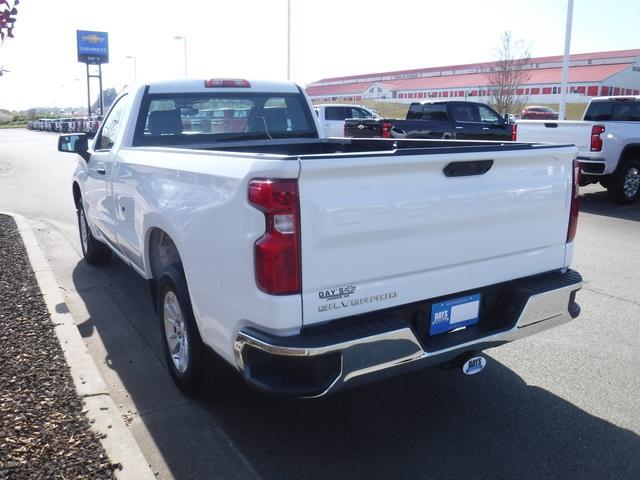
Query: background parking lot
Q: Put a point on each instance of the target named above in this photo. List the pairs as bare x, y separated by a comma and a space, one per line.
563, 404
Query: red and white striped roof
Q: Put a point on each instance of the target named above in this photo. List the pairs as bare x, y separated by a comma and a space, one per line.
576, 57
591, 73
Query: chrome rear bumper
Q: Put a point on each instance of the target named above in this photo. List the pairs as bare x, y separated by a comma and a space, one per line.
331, 360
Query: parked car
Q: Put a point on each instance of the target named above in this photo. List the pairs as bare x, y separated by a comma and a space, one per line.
538, 113
608, 141
332, 117
445, 120
310, 264
92, 124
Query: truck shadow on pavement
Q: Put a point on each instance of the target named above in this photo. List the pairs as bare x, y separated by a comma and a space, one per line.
429, 424
599, 203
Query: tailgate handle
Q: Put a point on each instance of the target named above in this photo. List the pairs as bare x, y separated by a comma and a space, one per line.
466, 169
551, 125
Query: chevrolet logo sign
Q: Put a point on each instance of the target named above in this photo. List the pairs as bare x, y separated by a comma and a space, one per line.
93, 38
361, 127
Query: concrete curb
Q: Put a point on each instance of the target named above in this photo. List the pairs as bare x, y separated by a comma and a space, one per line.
116, 438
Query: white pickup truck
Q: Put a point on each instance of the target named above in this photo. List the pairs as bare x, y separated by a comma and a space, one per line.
310, 264
333, 115
608, 141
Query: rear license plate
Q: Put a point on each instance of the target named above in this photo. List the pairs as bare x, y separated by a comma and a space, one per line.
456, 313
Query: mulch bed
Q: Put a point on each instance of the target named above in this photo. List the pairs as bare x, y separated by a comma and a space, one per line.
44, 433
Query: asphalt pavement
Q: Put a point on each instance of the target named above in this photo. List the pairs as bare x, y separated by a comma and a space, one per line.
563, 404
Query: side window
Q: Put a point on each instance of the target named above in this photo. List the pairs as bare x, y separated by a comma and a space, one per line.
111, 125
435, 112
464, 113
335, 113
488, 116
358, 113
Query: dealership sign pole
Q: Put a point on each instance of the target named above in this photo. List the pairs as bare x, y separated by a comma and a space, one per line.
565, 61
288, 39
93, 49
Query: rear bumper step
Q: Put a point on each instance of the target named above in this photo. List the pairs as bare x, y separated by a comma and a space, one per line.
592, 166
324, 360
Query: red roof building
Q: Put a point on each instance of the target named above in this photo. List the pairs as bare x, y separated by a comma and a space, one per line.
590, 74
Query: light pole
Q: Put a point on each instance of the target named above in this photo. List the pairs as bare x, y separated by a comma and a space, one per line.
182, 37
135, 67
565, 61
288, 39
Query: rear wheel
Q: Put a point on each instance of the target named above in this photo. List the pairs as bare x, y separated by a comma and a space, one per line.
94, 251
193, 367
625, 186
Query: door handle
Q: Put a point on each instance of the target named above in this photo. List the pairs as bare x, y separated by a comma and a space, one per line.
485, 128
101, 171
459, 128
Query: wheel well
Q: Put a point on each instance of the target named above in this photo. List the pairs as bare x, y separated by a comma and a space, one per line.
77, 196
162, 252
630, 151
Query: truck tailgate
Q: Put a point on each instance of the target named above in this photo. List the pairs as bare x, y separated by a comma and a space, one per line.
554, 131
380, 230
362, 127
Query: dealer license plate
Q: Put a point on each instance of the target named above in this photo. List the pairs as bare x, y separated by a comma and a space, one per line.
453, 314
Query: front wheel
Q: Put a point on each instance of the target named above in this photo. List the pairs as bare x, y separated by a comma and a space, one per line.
625, 186
193, 367
94, 251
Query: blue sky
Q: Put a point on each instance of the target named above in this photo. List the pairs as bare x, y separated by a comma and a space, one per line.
247, 38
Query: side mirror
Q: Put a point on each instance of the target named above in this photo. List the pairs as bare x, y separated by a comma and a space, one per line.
77, 143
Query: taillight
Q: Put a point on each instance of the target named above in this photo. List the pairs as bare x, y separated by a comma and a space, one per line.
277, 252
575, 204
386, 129
514, 132
596, 141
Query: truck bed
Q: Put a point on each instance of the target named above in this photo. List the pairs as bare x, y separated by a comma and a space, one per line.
295, 148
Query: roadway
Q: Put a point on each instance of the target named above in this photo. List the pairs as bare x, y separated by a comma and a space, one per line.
563, 404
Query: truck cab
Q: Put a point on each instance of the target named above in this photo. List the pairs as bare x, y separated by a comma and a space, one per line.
332, 117
457, 120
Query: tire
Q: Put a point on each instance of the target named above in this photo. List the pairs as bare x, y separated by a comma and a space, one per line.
195, 369
94, 251
625, 186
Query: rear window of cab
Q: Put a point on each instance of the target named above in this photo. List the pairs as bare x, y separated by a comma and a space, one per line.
184, 119
615, 111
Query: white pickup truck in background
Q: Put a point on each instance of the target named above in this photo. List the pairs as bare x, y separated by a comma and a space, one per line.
608, 141
332, 117
310, 264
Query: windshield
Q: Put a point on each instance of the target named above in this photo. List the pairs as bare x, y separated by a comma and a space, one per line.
190, 119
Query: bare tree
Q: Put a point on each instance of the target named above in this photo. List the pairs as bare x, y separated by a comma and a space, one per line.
509, 71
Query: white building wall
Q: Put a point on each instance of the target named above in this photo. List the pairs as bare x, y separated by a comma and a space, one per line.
628, 78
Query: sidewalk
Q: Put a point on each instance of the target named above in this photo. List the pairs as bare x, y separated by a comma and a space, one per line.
56, 419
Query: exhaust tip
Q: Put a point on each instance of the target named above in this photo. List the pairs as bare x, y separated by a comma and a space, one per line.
474, 365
